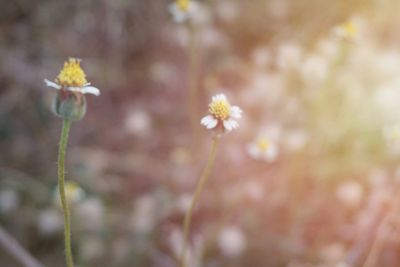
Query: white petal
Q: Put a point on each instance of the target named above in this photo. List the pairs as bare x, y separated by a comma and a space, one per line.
178, 15
91, 90
228, 125
205, 120
236, 112
52, 84
212, 124
233, 123
209, 121
74, 89
220, 97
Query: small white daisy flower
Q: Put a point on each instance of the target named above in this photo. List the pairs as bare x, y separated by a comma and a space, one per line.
72, 78
263, 149
347, 31
223, 115
182, 10
73, 193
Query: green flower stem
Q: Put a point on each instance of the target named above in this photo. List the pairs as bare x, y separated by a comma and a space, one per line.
61, 174
197, 193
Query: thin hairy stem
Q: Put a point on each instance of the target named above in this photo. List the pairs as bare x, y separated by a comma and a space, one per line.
199, 188
61, 174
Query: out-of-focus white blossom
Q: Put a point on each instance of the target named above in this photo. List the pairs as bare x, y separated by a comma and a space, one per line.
232, 241
183, 10
194, 251
314, 70
289, 56
9, 200
263, 148
183, 202
144, 215
347, 31
73, 193
350, 193
332, 253
138, 122
50, 222
90, 214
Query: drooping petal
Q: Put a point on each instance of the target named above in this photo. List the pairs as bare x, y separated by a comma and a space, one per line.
52, 84
236, 112
91, 90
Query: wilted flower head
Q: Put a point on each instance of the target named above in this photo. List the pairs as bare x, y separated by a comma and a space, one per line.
223, 115
71, 82
263, 148
181, 10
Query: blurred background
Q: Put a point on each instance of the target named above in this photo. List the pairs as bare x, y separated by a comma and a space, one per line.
308, 179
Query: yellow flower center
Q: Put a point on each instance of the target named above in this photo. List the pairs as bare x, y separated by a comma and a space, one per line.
220, 109
263, 144
183, 4
72, 74
349, 29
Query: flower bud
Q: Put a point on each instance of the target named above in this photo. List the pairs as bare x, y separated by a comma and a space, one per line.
69, 105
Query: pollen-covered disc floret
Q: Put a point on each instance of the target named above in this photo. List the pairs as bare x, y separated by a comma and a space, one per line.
263, 148
72, 78
222, 114
182, 10
72, 75
220, 109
